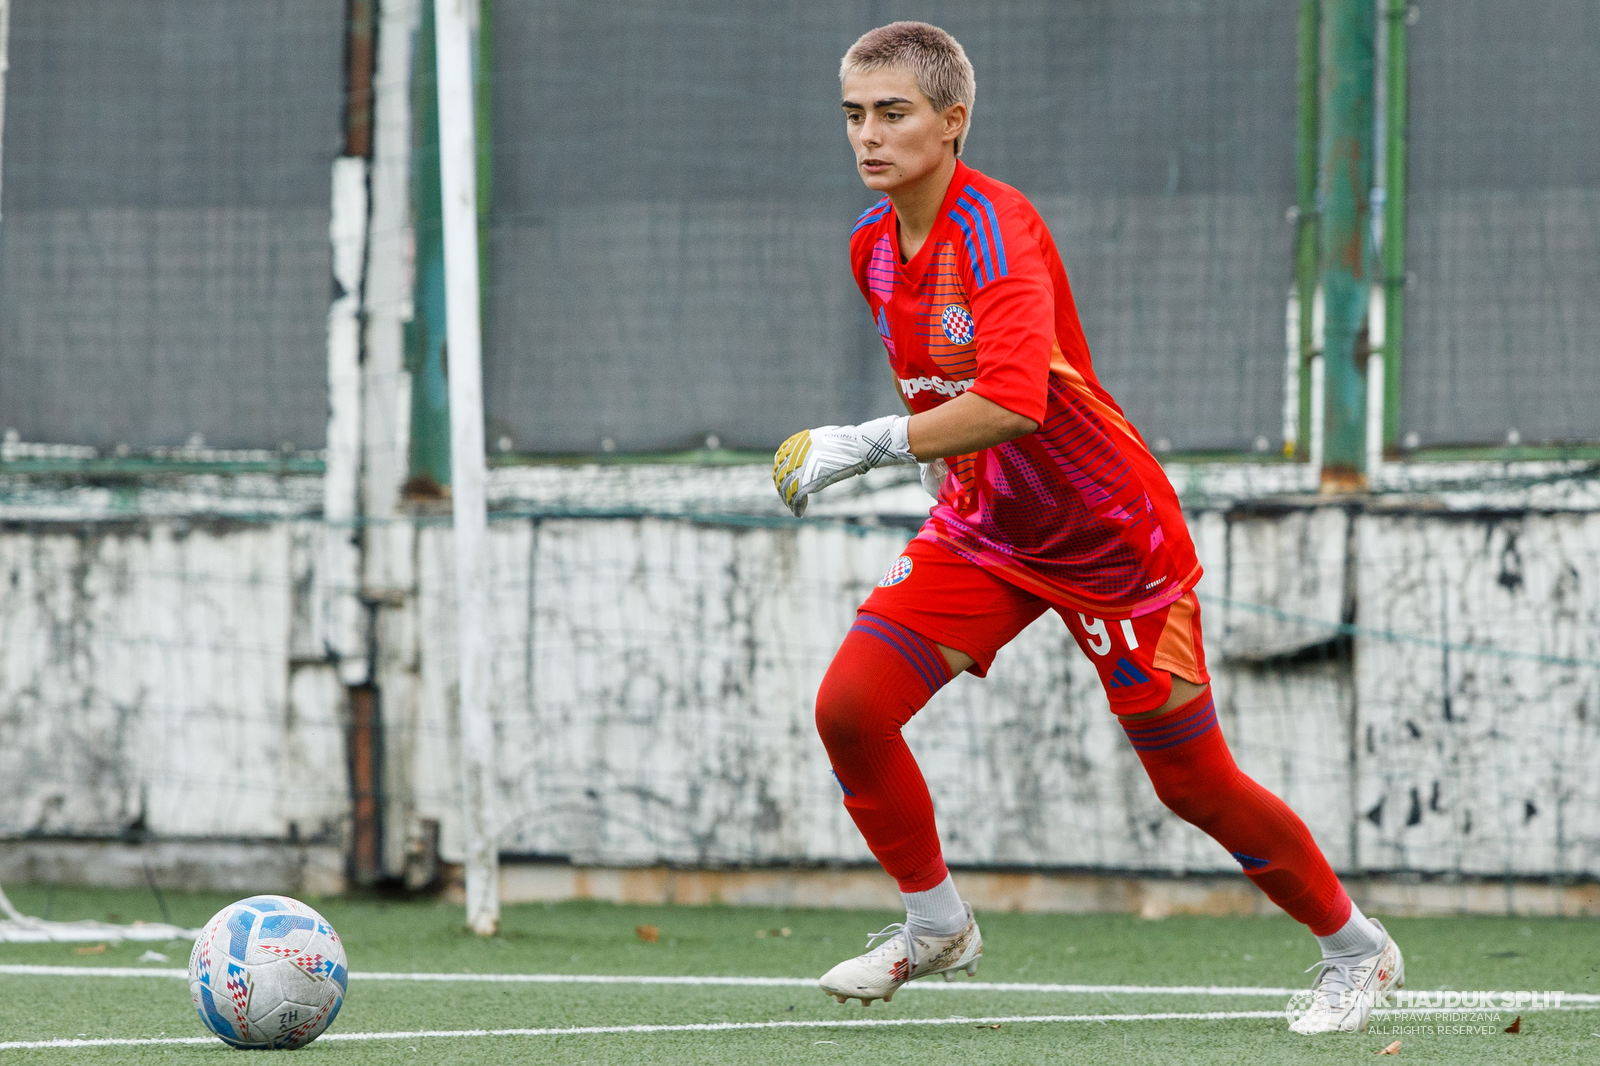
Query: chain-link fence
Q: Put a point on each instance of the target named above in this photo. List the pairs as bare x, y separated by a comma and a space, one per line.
1502, 338
164, 257
673, 194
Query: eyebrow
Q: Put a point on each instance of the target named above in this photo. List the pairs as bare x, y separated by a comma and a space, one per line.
880, 103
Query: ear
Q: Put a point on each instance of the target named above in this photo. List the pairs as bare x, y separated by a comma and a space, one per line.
955, 120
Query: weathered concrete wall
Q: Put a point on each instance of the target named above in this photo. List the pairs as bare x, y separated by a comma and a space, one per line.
167, 671
160, 676
1468, 761
654, 680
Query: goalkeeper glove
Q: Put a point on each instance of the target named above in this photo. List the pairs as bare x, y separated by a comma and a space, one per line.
813, 459
933, 475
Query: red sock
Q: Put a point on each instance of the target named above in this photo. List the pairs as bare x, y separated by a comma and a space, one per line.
882, 674
1194, 774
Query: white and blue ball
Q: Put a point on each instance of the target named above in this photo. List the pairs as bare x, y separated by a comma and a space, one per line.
267, 972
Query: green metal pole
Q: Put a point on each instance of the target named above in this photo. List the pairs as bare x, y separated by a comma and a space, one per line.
1306, 215
1394, 220
1345, 165
425, 333
426, 354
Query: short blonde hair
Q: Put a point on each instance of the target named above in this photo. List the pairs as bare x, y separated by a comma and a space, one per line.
936, 59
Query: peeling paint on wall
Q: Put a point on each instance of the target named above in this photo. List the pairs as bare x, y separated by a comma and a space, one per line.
169, 674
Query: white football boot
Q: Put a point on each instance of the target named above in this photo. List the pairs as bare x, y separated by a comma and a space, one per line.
903, 957
1345, 993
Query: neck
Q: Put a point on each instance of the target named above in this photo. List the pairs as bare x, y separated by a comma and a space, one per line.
916, 205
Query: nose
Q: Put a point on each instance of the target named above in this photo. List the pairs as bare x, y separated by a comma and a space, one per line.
868, 132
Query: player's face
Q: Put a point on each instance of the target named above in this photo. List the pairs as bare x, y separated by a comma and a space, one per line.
897, 135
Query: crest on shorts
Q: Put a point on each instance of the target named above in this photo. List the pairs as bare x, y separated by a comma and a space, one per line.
897, 573
957, 323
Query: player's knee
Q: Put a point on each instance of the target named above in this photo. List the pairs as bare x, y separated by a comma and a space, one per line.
1198, 799
844, 719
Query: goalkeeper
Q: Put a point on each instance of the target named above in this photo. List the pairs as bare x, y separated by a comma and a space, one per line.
1047, 499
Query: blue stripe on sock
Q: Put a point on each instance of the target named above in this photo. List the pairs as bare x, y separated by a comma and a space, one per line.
911, 647
1148, 730
921, 646
875, 635
1198, 731
1187, 727
1165, 735
908, 643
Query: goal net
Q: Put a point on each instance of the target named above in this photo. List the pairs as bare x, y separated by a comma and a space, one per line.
18, 928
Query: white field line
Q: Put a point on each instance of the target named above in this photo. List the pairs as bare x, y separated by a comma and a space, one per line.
739, 982
697, 1027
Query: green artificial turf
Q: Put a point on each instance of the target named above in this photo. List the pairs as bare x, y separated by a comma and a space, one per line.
592, 938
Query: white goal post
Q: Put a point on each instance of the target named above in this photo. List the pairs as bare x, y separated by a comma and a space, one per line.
463, 335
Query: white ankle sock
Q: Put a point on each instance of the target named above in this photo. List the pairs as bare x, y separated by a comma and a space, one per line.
936, 912
1356, 939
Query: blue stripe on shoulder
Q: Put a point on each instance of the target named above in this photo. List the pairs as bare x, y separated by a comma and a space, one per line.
972, 248
872, 214
994, 228
975, 214
976, 245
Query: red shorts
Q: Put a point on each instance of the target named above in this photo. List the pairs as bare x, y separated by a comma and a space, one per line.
959, 604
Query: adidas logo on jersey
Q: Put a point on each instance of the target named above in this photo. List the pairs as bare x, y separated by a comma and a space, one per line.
935, 384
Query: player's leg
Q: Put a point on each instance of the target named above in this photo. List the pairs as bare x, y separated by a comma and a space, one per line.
931, 617
1154, 671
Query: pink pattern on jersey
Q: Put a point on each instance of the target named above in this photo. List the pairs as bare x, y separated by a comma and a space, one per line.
881, 270
1075, 510
1093, 495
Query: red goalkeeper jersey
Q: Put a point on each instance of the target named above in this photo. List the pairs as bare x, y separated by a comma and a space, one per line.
1079, 511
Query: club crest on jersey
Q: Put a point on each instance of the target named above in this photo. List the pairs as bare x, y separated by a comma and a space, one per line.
957, 322
897, 573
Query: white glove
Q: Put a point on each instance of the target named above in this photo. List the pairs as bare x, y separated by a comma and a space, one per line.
933, 475
813, 459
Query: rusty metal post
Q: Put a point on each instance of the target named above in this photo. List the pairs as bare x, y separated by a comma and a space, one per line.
1345, 175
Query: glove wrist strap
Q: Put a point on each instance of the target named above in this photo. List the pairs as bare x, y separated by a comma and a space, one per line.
886, 441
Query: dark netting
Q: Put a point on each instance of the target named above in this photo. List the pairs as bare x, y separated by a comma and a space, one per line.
673, 193
1502, 329
164, 257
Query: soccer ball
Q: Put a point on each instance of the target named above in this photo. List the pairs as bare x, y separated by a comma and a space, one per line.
267, 972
